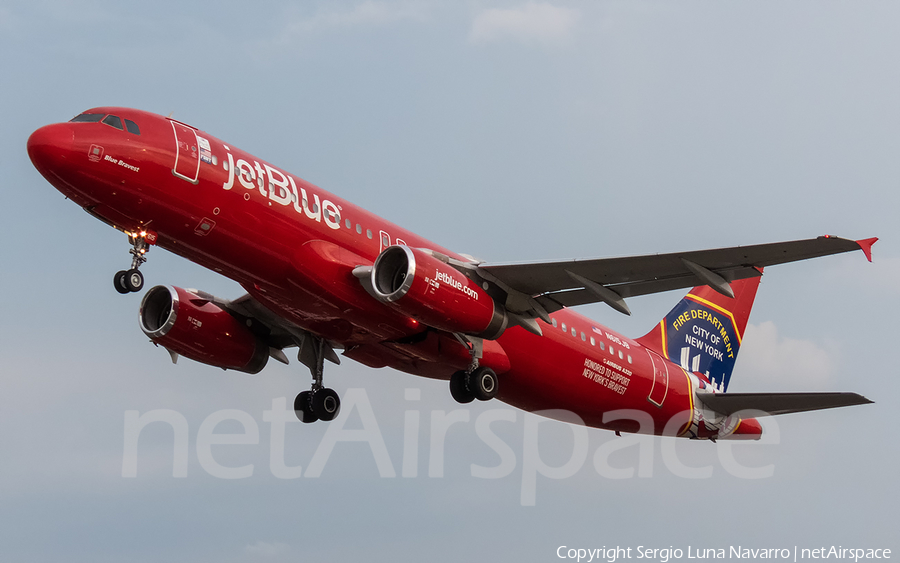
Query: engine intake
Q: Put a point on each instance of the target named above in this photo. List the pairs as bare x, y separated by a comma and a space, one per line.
185, 323
431, 291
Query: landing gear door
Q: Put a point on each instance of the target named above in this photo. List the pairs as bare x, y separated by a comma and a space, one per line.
660, 387
187, 157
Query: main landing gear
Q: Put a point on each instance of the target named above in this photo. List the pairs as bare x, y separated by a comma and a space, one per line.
476, 382
319, 403
481, 384
132, 280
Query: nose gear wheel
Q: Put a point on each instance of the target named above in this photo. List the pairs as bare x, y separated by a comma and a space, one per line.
132, 280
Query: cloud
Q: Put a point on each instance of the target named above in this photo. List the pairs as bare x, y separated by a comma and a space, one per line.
267, 549
543, 23
769, 362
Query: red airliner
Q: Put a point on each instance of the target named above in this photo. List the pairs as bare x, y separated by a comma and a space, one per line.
322, 274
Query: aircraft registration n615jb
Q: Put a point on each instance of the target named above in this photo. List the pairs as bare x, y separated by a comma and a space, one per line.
322, 274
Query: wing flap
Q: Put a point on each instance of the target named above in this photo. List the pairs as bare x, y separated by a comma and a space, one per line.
570, 298
778, 403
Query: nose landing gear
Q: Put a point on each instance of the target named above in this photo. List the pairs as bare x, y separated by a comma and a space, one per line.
132, 280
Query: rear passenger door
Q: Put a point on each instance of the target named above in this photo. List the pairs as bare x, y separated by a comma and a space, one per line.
660, 387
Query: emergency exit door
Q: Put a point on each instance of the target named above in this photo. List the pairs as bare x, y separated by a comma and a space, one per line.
187, 157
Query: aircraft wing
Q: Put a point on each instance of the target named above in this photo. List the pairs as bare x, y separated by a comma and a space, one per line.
778, 403
555, 285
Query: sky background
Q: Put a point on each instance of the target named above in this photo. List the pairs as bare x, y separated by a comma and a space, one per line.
510, 131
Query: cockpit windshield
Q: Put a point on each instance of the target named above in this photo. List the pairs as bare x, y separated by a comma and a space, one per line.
108, 119
87, 118
132, 127
113, 121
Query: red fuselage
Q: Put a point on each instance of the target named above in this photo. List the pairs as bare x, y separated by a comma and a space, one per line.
293, 247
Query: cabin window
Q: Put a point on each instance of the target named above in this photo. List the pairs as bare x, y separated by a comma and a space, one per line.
564, 327
593, 342
347, 223
574, 332
385, 240
113, 121
553, 322
369, 233
87, 118
621, 355
133, 128
629, 359
358, 229
611, 351
602, 345
583, 337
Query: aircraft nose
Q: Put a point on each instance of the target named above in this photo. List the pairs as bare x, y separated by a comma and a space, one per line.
51, 146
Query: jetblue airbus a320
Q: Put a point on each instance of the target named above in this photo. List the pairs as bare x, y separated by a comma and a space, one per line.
323, 275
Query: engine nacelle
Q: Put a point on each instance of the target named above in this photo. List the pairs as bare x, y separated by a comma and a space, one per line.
200, 330
436, 294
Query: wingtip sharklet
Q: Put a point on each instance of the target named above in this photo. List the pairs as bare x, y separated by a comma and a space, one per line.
866, 246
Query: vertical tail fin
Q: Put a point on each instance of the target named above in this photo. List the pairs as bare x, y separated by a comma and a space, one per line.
703, 332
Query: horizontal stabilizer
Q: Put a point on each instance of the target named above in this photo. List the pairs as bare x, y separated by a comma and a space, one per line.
778, 403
